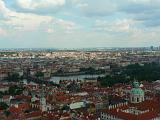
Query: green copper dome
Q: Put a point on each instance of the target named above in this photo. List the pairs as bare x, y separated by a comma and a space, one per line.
136, 91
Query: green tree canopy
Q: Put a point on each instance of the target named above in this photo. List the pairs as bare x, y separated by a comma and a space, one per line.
3, 105
39, 74
13, 77
148, 72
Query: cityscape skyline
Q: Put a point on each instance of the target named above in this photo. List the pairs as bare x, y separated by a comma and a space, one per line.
79, 23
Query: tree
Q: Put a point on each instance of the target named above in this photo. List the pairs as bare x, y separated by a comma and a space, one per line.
13, 77
7, 113
39, 74
1, 94
3, 105
15, 90
149, 72
66, 107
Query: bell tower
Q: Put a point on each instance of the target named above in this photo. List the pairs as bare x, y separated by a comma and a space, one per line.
43, 101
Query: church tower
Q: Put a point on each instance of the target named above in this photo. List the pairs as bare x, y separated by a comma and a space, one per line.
136, 93
43, 101
33, 99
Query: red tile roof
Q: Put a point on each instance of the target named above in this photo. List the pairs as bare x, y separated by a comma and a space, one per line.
152, 106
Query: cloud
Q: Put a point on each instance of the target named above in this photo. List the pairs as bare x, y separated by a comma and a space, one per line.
66, 24
146, 37
3, 32
50, 30
26, 21
85, 23
92, 8
146, 11
32, 4
62, 26
119, 25
82, 5
30, 21
3, 10
21, 20
39, 7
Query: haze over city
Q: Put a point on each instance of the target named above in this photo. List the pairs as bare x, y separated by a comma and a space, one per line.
79, 23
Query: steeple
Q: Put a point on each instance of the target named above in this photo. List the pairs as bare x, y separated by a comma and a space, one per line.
43, 100
33, 99
136, 84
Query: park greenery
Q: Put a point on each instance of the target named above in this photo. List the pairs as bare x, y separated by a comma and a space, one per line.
3, 106
7, 113
142, 72
14, 77
39, 74
13, 90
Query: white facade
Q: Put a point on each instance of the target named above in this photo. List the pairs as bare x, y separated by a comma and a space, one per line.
136, 98
105, 116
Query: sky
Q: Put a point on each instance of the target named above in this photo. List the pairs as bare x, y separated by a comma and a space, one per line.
79, 23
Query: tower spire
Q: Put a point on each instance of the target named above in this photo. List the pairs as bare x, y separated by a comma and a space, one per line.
43, 99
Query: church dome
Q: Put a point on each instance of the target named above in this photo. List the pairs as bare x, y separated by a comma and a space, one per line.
136, 91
